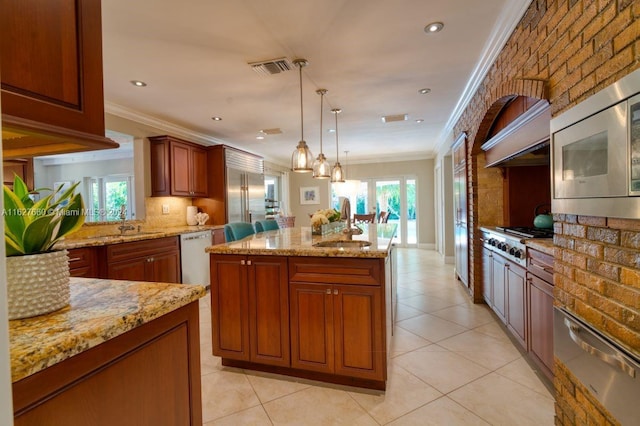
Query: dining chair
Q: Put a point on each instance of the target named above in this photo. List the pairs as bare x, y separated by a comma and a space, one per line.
383, 217
266, 225
238, 230
364, 218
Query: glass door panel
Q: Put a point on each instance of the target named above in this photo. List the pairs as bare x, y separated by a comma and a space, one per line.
412, 229
388, 200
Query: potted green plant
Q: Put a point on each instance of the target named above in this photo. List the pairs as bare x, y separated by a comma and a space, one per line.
37, 274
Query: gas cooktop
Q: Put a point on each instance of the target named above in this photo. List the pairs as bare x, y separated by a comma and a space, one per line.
523, 231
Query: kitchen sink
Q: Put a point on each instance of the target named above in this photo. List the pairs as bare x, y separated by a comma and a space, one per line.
343, 244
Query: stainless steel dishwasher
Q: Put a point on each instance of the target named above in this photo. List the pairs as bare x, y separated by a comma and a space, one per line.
194, 260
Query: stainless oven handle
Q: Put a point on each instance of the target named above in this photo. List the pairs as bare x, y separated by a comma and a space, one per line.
613, 360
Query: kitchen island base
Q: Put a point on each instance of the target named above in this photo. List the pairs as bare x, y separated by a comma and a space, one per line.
300, 310
308, 375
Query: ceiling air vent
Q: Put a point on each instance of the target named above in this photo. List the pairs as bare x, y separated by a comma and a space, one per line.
274, 131
397, 117
272, 66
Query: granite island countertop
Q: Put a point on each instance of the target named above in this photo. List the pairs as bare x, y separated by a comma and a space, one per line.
99, 310
300, 242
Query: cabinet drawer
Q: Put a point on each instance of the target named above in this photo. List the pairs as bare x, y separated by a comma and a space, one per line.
540, 264
136, 249
335, 270
83, 262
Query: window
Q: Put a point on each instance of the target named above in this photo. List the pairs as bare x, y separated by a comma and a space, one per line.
105, 196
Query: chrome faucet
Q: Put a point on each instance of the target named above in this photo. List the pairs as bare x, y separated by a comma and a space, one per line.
123, 216
345, 213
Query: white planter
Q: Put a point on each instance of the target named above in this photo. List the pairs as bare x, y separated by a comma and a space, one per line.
37, 283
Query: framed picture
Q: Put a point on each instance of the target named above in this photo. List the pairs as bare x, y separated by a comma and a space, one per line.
310, 195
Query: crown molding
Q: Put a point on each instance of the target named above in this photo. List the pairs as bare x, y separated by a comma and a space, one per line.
165, 126
507, 21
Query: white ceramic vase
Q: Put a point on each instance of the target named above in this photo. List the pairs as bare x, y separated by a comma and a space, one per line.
191, 215
37, 283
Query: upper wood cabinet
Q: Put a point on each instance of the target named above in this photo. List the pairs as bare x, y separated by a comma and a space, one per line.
178, 168
22, 167
51, 72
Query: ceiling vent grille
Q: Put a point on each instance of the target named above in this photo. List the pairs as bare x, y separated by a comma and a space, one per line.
274, 131
272, 66
397, 117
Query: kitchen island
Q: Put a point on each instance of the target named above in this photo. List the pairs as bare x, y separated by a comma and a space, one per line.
318, 307
122, 352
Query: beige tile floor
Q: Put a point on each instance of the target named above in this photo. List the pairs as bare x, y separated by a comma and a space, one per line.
452, 363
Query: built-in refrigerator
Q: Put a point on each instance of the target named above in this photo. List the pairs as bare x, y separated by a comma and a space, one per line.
245, 187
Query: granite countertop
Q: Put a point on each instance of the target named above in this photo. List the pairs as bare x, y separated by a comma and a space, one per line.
299, 242
144, 234
99, 310
544, 245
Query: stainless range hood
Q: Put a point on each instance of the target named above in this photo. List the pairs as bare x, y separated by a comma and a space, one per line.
524, 142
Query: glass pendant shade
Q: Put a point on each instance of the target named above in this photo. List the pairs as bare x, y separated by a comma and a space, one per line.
321, 168
336, 173
301, 159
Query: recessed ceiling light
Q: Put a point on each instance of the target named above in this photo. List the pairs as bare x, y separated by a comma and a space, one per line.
260, 137
424, 91
433, 27
216, 118
138, 83
419, 120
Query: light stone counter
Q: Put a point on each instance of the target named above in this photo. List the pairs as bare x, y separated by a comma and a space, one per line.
145, 234
544, 245
99, 310
300, 242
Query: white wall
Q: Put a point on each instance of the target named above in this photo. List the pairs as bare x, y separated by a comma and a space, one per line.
422, 170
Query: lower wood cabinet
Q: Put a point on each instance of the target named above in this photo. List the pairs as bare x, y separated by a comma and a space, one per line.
147, 376
499, 286
539, 282
155, 260
337, 329
515, 277
338, 316
83, 262
250, 308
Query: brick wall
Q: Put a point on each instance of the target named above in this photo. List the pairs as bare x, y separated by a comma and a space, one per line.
565, 51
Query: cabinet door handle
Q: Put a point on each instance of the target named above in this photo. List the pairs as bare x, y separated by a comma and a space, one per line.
242, 262
150, 259
335, 292
328, 291
248, 262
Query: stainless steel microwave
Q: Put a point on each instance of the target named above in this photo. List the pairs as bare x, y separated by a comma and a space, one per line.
595, 154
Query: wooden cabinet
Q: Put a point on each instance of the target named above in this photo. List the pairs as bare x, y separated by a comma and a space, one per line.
460, 210
155, 260
147, 376
504, 288
250, 308
178, 168
516, 301
539, 280
487, 276
499, 286
83, 262
228, 167
22, 167
51, 71
338, 328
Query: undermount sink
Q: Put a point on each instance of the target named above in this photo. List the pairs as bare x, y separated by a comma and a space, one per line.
343, 244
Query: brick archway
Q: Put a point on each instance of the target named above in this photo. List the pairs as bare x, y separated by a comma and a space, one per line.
495, 101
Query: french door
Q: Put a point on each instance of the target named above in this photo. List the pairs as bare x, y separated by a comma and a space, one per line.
396, 196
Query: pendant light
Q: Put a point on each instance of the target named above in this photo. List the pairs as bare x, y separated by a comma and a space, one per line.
321, 166
301, 158
336, 173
